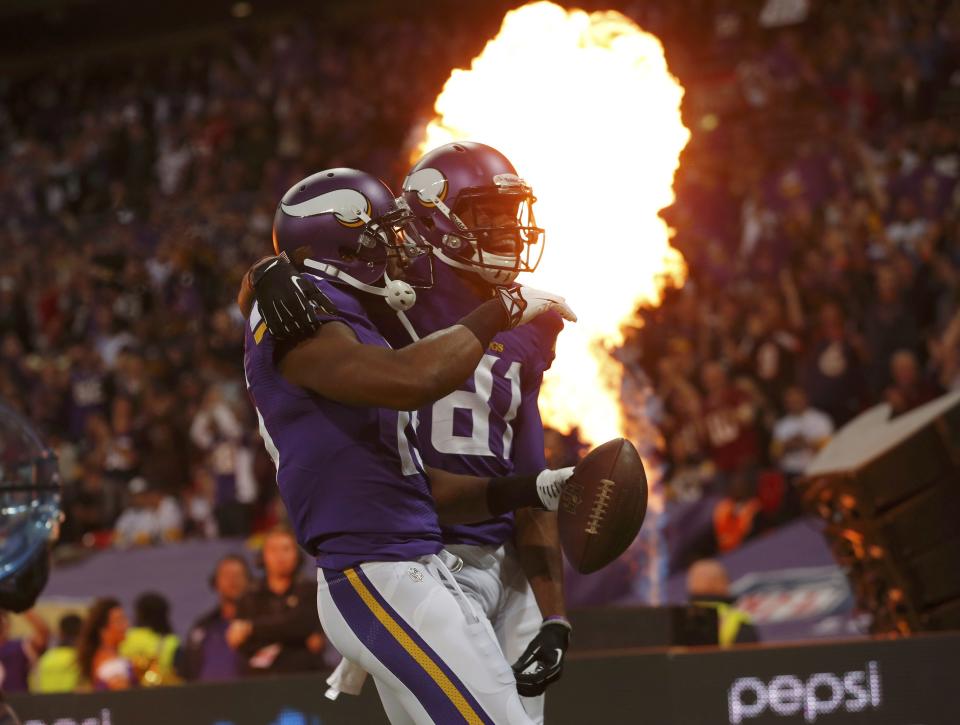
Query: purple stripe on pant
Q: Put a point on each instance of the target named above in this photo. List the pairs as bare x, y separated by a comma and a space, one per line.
385, 647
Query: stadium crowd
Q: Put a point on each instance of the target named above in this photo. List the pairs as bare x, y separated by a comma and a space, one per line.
259, 626
131, 203
819, 216
817, 209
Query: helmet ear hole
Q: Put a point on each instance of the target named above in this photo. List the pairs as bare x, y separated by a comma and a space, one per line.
428, 222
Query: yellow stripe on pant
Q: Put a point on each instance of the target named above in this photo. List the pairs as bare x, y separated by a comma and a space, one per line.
414, 650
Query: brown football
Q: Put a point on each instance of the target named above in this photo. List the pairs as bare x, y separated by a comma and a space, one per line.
602, 505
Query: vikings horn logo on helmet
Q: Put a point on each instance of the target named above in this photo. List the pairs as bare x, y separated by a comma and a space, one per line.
349, 207
429, 184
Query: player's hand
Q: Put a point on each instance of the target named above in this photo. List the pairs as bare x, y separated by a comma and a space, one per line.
542, 662
523, 304
287, 301
550, 485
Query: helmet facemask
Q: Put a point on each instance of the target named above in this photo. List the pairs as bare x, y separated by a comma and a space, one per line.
393, 241
495, 233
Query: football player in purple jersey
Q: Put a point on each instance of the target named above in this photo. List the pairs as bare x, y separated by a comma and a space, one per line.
477, 215
332, 411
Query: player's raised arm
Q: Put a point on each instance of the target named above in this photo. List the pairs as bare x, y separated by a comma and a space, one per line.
332, 362
335, 364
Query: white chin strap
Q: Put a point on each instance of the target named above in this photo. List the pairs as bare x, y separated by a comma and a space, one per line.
397, 293
491, 276
400, 295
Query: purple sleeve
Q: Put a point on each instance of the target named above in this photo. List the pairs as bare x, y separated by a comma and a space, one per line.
528, 455
344, 310
547, 327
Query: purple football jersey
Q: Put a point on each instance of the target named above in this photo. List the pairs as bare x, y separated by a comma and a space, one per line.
491, 426
351, 477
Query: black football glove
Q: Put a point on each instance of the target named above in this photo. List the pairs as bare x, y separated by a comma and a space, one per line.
542, 662
288, 302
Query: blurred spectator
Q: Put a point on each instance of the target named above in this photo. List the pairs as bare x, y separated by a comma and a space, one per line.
908, 389
86, 505
18, 656
276, 627
945, 354
708, 585
692, 470
88, 388
101, 665
198, 505
207, 657
770, 349
735, 515
151, 644
58, 669
217, 432
120, 458
833, 376
799, 434
907, 228
165, 459
690, 473
889, 325
729, 419
150, 518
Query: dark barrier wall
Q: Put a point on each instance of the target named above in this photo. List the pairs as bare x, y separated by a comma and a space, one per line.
291, 700
892, 682
881, 682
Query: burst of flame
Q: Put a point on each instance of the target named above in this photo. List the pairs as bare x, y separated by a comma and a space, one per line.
585, 107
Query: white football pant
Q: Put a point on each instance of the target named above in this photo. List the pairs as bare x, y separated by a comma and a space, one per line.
493, 580
434, 659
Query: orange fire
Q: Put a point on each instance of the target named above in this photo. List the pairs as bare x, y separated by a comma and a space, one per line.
586, 108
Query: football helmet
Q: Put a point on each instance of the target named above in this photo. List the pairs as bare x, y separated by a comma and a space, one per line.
475, 210
30, 512
348, 225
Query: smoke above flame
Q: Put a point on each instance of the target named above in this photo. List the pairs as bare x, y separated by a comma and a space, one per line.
586, 108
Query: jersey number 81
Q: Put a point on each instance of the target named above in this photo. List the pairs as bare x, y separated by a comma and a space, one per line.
479, 404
